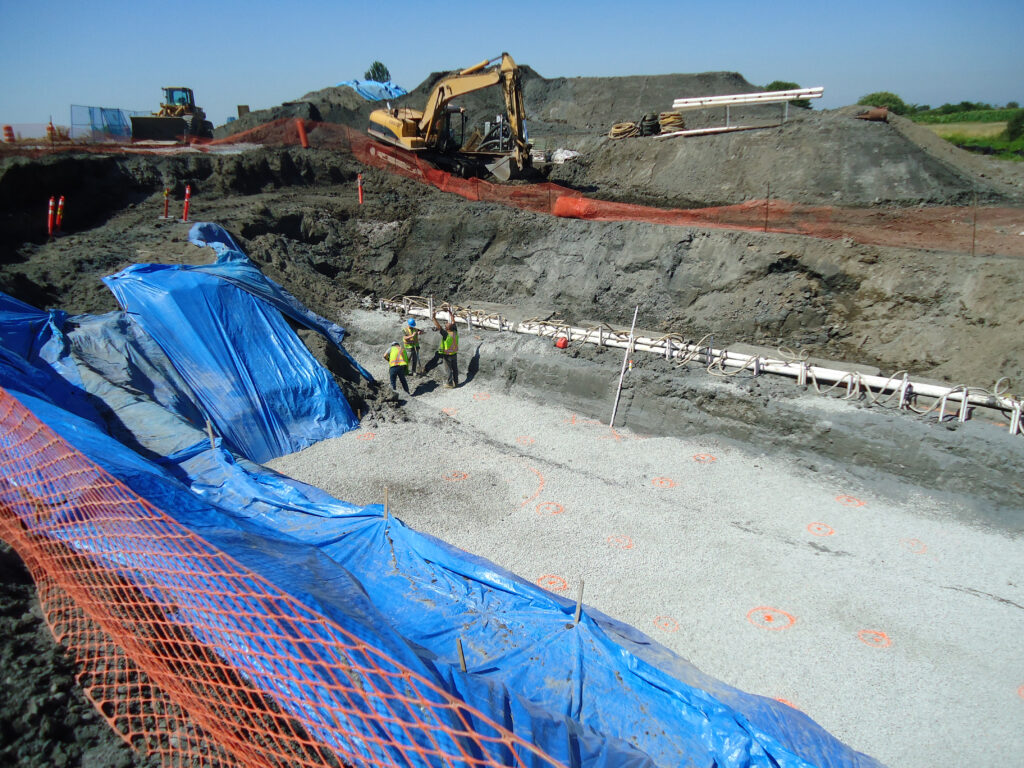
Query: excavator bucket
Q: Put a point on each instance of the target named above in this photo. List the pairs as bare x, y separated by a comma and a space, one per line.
503, 169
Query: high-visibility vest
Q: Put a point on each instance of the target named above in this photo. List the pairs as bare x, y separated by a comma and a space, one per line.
449, 344
411, 338
396, 356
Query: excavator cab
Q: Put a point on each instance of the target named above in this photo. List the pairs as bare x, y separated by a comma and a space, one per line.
177, 102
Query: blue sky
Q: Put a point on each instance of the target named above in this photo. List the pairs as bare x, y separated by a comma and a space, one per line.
119, 54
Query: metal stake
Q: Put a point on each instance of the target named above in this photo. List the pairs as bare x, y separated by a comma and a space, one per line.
579, 604
974, 224
622, 373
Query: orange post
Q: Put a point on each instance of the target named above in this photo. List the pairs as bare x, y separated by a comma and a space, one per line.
188, 198
60, 212
167, 203
8, 134
359, 183
303, 139
49, 219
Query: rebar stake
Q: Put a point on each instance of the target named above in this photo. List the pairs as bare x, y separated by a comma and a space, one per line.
579, 604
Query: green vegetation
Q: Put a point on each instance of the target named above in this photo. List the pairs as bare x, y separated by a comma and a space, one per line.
997, 146
377, 72
885, 99
785, 85
1003, 138
1015, 126
988, 115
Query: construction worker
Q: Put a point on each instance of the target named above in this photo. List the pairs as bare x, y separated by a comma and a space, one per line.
397, 362
411, 342
448, 349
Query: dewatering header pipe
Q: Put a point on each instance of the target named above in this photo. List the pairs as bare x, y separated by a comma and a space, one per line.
671, 348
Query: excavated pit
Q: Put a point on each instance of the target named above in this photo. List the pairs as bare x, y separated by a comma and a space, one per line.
939, 312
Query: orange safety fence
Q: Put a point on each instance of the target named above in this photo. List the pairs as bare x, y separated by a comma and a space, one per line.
981, 229
958, 228
190, 656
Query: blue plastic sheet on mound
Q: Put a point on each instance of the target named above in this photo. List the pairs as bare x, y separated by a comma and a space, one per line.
260, 386
599, 693
371, 90
236, 268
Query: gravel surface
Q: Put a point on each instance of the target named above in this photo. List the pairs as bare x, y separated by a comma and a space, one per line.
881, 609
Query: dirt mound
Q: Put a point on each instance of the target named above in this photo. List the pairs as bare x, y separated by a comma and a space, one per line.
813, 157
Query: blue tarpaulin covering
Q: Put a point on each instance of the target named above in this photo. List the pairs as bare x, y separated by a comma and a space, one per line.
597, 693
371, 90
221, 329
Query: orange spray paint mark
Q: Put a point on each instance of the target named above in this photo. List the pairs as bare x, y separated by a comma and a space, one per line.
770, 618
666, 623
552, 583
820, 529
849, 501
549, 508
874, 638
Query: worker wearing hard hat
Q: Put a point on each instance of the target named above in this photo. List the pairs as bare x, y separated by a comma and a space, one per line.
411, 343
397, 362
448, 349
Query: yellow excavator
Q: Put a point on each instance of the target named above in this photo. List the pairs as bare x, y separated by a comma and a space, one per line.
502, 148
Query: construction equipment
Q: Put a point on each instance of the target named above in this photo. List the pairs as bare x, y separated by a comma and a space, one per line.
502, 148
178, 117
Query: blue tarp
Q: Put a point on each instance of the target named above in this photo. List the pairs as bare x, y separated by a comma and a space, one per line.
598, 693
221, 329
371, 90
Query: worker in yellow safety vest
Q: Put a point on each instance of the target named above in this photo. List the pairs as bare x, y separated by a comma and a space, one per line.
448, 349
411, 342
397, 362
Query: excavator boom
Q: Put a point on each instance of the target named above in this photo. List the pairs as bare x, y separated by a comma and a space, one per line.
427, 130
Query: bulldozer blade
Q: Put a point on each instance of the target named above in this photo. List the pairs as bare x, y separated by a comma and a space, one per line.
153, 128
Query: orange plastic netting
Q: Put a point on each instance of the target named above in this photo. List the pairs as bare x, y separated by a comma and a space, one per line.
957, 228
987, 229
190, 656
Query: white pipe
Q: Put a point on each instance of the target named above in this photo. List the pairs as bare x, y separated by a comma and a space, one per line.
622, 373
706, 131
767, 97
795, 369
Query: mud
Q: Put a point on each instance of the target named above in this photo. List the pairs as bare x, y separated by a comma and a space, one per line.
896, 291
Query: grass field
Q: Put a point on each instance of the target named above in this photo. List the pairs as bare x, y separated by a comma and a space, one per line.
971, 130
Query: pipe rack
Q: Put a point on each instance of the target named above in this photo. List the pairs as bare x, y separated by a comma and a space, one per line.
766, 97
668, 346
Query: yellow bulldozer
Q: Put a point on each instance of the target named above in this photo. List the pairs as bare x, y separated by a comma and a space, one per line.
501, 149
178, 118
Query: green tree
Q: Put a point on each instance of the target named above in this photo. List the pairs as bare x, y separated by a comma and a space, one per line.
1012, 105
377, 72
784, 85
884, 99
1015, 125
